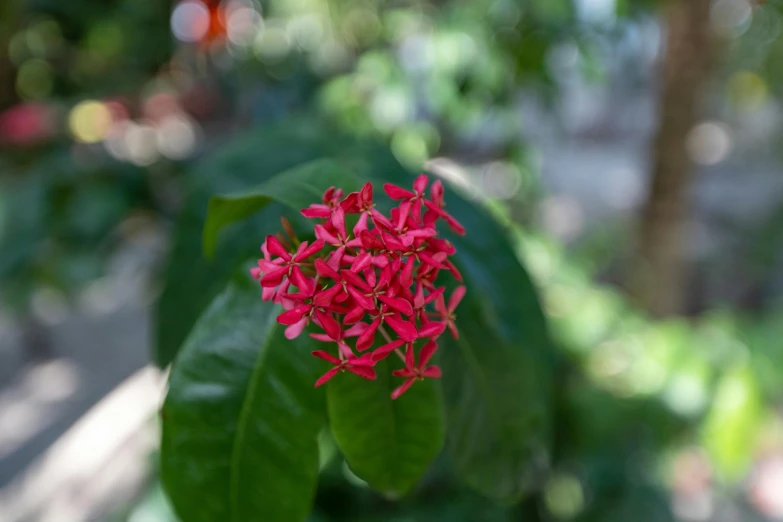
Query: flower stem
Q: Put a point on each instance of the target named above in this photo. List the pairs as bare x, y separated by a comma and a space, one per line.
388, 338
385, 334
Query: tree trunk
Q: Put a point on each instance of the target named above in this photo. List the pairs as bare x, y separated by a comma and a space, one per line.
658, 274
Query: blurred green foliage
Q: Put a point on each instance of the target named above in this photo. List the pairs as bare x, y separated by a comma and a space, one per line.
431, 78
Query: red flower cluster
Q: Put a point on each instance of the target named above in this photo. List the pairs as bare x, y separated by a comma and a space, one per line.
357, 284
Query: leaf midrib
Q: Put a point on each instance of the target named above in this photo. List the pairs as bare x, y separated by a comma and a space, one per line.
244, 415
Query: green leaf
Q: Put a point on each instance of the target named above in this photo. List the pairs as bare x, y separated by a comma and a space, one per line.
510, 414
296, 188
498, 376
388, 443
241, 419
498, 407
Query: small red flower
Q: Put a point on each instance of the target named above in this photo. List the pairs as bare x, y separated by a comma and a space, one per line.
447, 312
361, 366
414, 373
290, 263
436, 206
378, 279
331, 200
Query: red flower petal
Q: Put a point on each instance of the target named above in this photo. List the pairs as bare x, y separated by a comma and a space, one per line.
422, 232
453, 330
328, 323
399, 304
427, 259
440, 306
361, 299
453, 269
433, 372
356, 330
402, 389
296, 329
366, 194
456, 297
395, 192
361, 262
316, 211
338, 222
406, 278
364, 372
369, 240
345, 350
381, 220
276, 248
369, 276
382, 352
420, 185
305, 284
427, 351
380, 261
410, 358
405, 329
436, 192
325, 270
307, 251
367, 337
434, 294
336, 258
392, 243
326, 377
326, 356
350, 204
355, 280
274, 278
325, 297
354, 316
293, 316
360, 225
453, 224
365, 360
322, 337
432, 329
324, 235
402, 216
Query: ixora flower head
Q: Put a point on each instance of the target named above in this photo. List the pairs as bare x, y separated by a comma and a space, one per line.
377, 278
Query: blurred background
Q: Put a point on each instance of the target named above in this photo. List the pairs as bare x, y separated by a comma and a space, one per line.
633, 147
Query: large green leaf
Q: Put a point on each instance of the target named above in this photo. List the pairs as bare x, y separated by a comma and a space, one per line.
296, 188
497, 380
241, 419
497, 377
388, 443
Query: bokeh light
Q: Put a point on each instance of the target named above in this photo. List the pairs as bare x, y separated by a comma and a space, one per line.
90, 121
243, 22
709, 142
190, 21
564, 496
176, 137
747, 90
34, 79
731, 18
